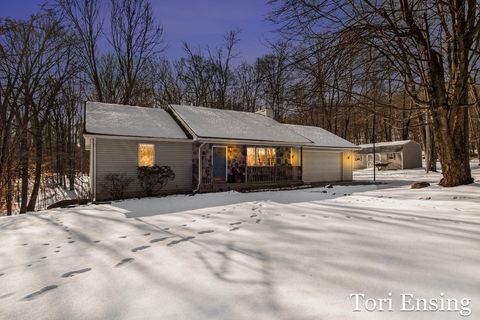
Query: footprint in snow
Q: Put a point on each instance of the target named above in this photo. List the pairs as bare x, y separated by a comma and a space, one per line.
233, 229
39, 292
124, 262
172, 243
29, 265
140, 248
45, 244
43, 258
1, 274
25, 244
96, 241
253, 216
147, 234
75, 272
258, 220
166, 229
348, 217
158, 240
71, 241
205, 231
123, 237
57, 251
6, 295
235, 223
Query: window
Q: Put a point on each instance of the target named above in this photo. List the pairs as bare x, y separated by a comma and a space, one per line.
146, 155
295, 157
261, 157
391, 156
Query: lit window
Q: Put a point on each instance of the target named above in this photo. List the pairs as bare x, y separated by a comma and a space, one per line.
146, 155
251, 157
295, 157
261, 157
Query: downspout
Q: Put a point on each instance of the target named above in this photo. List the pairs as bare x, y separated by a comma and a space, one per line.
199, 167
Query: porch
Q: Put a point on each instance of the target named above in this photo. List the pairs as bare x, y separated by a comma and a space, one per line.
242, 167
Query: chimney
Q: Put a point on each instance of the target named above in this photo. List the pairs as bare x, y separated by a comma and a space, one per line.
266, 112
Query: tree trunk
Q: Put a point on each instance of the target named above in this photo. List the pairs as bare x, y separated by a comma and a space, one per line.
9, 188
452, 139
24, 162
38, 170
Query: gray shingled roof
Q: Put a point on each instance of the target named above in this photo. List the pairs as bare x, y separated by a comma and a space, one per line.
389, 146
321, 137
205, 123
234, 125
122, 120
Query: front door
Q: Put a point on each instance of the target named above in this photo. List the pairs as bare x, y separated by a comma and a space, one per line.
219, 164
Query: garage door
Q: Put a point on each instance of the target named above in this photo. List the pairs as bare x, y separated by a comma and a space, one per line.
321, 166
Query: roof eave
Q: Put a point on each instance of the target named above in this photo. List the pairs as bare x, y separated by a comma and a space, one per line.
129, 137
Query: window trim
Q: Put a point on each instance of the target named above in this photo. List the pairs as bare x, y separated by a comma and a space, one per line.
393, 156
138, 154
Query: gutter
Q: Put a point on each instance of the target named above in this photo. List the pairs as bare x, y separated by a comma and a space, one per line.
123, 137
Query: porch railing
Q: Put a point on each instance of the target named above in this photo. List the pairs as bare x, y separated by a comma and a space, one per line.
273, 174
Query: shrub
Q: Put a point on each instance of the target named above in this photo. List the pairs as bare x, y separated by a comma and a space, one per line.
115, 184
153, 179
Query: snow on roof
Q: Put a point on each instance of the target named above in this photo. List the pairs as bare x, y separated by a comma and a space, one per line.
321, 137
123, 120
385, 144
235, 125
390, 146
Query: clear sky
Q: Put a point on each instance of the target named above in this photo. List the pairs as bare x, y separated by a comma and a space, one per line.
198, 22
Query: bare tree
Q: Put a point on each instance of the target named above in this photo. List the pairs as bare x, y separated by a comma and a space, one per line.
433, 44
136, 39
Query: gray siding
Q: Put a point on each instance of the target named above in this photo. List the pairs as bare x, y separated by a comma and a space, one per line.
412, 155
121, 156
347, 169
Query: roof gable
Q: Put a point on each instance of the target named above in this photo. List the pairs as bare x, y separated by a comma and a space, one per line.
123, 120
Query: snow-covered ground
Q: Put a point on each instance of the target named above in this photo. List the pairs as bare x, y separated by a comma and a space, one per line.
267, 255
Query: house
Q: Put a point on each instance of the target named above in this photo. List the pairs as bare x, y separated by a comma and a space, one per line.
210, 149
405, 154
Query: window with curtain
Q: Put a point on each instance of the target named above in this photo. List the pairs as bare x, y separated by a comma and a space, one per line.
261, 157
146, 155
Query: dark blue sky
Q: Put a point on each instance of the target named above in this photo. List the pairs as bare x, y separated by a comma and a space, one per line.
198, 22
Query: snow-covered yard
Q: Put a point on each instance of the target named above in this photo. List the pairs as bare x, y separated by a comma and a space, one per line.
267, 255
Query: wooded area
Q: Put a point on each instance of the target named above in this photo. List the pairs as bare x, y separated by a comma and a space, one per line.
366, 71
